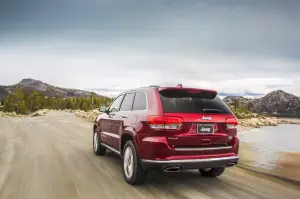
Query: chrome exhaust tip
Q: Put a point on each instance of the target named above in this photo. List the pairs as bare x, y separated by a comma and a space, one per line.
172, 169
231, 164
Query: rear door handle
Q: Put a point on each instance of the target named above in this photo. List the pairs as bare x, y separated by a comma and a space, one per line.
124, 116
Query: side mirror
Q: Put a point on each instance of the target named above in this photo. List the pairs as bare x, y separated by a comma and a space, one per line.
103, 109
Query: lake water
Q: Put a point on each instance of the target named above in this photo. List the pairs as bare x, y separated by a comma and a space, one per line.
268, 141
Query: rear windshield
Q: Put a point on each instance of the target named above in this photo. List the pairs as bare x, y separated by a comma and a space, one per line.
179, 102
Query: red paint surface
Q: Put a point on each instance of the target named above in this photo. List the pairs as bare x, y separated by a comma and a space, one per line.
159, 144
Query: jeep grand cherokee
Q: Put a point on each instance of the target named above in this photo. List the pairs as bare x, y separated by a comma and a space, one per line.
168, 128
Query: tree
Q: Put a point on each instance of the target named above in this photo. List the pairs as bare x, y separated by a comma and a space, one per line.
235, 103
23, 108
1, 102
85, 105
298, 110
19, 99
62, 104
9, 103
250, 106
23, 103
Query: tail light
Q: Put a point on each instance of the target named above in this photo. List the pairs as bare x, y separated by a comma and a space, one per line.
165, 122
231, 123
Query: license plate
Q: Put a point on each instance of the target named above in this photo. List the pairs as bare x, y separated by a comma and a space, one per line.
205, 129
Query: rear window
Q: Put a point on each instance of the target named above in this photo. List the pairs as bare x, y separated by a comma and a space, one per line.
184, 102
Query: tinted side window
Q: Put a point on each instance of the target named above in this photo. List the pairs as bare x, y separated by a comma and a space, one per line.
116, 104
127, 102
140, 102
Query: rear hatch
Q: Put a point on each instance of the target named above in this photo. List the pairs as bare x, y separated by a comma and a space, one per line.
195, 119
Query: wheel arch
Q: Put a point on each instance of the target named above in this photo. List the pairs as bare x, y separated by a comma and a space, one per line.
127, 135
94, 128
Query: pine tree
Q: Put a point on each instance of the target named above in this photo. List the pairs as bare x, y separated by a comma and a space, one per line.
23, 103
23, 108
85, 105
9, 103
19, 96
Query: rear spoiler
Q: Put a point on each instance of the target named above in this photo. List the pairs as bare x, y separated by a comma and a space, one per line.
174, 92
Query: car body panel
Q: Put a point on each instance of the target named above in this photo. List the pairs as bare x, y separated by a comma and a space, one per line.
184, 144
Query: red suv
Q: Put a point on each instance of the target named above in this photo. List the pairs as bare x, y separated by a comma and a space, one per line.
168, 128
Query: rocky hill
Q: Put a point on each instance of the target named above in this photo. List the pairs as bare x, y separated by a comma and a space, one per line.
277, 103
230, 100
29, 85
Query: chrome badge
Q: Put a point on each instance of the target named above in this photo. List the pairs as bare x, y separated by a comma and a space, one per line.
206, 118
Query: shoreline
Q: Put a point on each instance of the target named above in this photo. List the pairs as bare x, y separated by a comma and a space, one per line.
244, 124
252, 123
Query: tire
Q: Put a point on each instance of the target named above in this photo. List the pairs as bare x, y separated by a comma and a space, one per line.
213, 172
133, 172
98, 149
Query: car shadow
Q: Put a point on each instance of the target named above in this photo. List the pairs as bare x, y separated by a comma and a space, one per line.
157, 177
176, 185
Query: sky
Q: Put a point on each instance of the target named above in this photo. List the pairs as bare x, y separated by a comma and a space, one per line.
236, 47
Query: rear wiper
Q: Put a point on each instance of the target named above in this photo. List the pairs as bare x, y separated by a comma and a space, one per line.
209, 110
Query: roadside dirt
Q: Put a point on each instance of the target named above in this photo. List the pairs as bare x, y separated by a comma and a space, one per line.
51, 156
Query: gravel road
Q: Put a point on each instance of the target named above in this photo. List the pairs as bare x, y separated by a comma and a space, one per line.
50, 157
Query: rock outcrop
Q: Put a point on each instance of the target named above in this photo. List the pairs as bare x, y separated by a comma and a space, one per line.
246, 124
39, 113
277, 103
89, 115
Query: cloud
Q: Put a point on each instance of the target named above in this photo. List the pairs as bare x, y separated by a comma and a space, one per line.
111, 46
113, 71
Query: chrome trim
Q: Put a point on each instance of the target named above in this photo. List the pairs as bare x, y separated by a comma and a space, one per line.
192, 160
111, 149
146, 101
205, 124
203, 149
111, 134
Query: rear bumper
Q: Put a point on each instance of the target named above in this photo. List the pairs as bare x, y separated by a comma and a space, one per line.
191, 163
157, 148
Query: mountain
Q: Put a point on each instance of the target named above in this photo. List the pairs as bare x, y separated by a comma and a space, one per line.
274, 103
29, 85
277, 103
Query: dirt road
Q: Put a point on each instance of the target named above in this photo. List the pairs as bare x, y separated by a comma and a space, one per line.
50, 157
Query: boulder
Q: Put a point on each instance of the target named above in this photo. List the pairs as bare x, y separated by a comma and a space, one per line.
89, 115
39, 113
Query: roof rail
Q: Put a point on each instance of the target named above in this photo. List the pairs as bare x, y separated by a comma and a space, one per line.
154, 86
